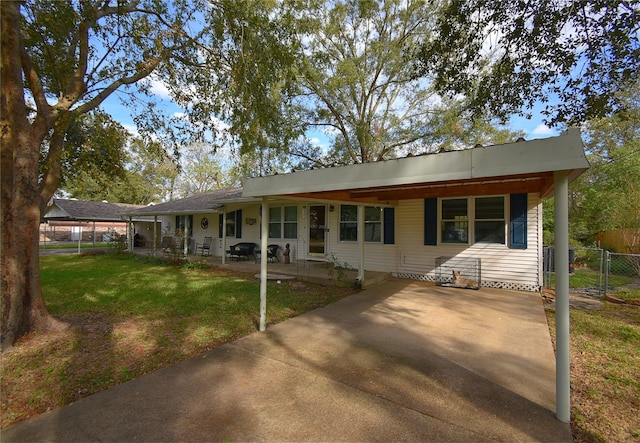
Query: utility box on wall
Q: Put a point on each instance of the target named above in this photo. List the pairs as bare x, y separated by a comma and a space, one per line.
458, 272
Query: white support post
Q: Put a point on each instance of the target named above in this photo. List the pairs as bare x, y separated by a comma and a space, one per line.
155, 235
563, 363
263, 263
224, 236
130, 236
361, 242
187, 228
79, 235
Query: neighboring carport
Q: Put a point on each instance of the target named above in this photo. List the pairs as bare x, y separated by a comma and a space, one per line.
79, 211
544, 166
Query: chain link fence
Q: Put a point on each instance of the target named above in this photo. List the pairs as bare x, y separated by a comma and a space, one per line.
621, 270
594, 271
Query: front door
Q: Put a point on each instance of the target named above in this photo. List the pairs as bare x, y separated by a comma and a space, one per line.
317, 229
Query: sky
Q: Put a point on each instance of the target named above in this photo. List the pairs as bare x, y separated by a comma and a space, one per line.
534, 127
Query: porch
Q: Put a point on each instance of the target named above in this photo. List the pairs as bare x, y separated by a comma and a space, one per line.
313, 271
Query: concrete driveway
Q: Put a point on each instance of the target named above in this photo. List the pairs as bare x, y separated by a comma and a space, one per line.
401, 361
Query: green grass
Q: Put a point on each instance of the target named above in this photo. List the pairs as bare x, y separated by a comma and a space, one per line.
588, 278
121, 286
131, 315
75, 245
605, 372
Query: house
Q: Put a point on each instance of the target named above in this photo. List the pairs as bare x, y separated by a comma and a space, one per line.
483, 204
412, 217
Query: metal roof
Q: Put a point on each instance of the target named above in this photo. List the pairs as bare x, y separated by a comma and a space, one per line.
523, 166
83, 210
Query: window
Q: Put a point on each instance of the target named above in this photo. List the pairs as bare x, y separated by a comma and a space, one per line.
489, 220
454, 227
275, 222
290, 222
283, 222
348, 223
184, 223
231, 224
372, 224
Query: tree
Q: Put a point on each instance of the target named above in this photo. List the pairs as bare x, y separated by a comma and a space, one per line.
358, 86
146, 174
200, 171
61, 60
505, 56
607, 196
94, 147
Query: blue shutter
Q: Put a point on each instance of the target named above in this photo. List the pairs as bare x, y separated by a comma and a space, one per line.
518, 221
389, 226
431, 221
239, 223
221, 226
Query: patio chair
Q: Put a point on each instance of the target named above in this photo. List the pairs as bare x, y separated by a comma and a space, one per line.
204, 248
272, 253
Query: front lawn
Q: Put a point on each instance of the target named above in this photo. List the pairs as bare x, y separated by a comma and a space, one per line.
605, 372
130, 316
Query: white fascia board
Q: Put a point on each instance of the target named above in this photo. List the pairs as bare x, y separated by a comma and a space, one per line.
435, 167
564, 152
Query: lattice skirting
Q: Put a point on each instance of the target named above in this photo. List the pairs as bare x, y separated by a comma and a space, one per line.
528, 287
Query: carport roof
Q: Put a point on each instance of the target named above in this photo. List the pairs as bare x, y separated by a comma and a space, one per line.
83, 210
519, 167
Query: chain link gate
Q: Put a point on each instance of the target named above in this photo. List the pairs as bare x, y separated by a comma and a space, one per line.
620, 270
586, 270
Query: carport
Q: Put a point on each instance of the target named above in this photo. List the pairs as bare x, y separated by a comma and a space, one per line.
543, 166
83, 211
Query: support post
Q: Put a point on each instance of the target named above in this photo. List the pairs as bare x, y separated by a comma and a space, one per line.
79, 235
155, 235
563, 363
224, 236
263, 263
360, 276
130, 234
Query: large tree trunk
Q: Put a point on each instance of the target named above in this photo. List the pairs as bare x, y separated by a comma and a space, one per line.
23, 307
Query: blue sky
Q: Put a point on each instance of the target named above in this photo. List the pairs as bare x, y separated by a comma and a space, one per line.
533, 127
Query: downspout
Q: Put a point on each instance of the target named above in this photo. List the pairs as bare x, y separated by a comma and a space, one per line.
360, 277
563, 364
263, 263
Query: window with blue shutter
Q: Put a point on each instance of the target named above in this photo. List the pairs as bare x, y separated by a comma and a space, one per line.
431, 221
389, 226
518, 221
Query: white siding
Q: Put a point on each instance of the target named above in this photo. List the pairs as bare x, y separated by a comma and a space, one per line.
501, 266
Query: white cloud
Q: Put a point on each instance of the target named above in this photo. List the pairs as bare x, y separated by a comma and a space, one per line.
159, 89
542, 129
132, 128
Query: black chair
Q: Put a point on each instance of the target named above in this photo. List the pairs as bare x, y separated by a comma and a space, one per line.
272, 252
204, 248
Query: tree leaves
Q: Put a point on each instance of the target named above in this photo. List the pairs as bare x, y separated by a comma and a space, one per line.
506, 56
